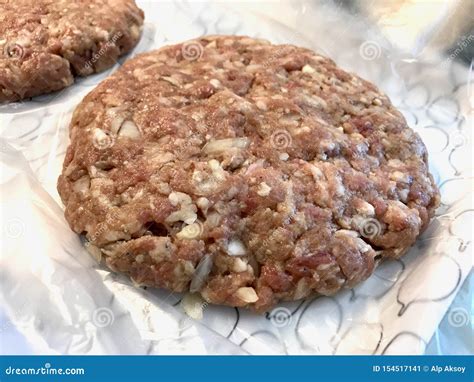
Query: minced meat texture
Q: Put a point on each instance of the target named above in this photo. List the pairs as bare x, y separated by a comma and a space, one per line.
45, 43
244, 171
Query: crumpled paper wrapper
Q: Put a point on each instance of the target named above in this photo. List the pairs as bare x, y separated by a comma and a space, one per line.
56, 294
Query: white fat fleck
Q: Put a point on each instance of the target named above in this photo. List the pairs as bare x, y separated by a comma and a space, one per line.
172, 80
316, 172
395, 163
203, 204
176, 198
135, 31
162, 249
130, 130
187, 212
217, 171
82, 184
116, 235
236, 248
193, 305
365, 208
186, 215
225, 144
201, 273
264, 189
215, 82
213, 220
323, 267
162, 157
261, 105
327, 145
314, 101
247, 294
339, 188
403, 194
346, 232
252, 68
94, 251
301, 290
398, 176
163, 188
190, 232
362, 246
239, 265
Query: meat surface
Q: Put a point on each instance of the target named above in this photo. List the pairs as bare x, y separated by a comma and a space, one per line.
45, 43
244, 171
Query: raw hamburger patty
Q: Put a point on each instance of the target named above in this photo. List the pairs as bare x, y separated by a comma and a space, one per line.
245, 171
45, 43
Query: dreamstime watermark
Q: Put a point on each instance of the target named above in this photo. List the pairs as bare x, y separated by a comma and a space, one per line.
280, 317
281, 139
14, 228
103, 317
45, 370
191, 231
279, 53
102, 140
288, 51
461, 45
193, 305
13, 50
459, 317
370, 50
103, 226
459, 139
192, 50
96, 57
370, 228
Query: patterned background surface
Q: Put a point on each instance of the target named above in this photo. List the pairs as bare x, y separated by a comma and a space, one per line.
55, 294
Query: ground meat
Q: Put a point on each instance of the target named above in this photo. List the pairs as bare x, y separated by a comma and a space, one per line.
248, 172
45, 43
